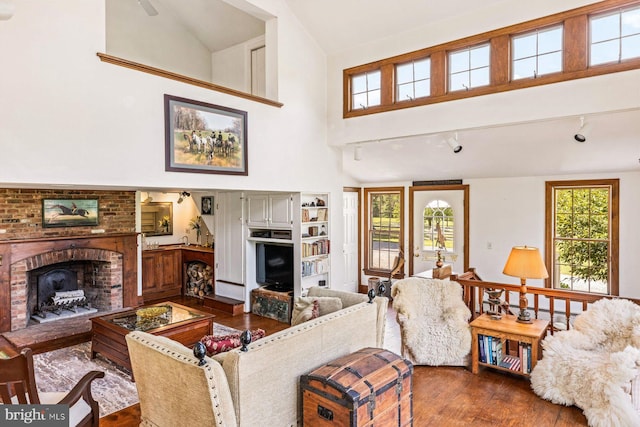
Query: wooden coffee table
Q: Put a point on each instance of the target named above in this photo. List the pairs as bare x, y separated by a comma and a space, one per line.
183, 324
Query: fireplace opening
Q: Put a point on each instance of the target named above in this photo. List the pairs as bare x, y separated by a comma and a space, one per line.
65, 290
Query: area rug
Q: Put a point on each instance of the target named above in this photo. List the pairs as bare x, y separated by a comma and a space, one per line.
61, 369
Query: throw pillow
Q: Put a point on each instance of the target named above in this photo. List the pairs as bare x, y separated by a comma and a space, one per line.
304, 309
328, 304
219, 344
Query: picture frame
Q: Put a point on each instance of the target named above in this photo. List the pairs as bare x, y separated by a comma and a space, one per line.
206, 206
204, 138
69, 213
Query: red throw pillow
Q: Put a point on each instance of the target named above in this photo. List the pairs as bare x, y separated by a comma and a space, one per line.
220, 344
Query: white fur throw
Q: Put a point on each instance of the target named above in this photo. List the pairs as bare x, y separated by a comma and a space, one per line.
433, 321
592, 365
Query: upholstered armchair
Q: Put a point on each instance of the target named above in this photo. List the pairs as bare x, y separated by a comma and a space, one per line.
595, 365
433, 321
174, 390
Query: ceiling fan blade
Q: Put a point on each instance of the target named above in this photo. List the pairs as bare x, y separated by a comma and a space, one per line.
148, 7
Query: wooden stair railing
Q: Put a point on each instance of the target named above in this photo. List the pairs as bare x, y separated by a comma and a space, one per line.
574, 302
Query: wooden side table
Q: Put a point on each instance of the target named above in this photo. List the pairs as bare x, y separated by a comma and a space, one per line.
507, 330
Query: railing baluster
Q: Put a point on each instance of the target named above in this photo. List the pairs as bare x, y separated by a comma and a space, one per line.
552, 310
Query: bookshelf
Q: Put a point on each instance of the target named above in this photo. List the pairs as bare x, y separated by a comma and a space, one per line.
314, 240
505, 344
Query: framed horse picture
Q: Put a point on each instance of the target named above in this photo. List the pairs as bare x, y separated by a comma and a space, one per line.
204, 138
69, 212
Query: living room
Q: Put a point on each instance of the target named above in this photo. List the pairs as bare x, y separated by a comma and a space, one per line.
72, 122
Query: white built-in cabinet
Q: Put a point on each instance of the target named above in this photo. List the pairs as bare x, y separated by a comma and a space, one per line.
270, 210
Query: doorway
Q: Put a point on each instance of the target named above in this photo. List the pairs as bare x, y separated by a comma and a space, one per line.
438, 224
351, 241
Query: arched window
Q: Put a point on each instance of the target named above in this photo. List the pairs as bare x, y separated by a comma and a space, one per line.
437, 230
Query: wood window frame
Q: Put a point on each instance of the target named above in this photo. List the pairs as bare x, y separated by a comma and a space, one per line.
366, 210
614, 184
575, 61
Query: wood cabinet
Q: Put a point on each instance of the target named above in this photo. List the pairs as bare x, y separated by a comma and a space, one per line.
161, 273
518, 342
270, 210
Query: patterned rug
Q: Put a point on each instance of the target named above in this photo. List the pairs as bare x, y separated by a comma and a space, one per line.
61, 369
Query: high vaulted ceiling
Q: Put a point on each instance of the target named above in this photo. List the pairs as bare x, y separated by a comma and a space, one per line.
528, 148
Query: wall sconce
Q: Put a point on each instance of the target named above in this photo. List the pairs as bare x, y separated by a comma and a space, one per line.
7, 10
583, 131
357, 153
183, 196
453, 143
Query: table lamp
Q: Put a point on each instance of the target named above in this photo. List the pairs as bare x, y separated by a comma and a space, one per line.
526, 263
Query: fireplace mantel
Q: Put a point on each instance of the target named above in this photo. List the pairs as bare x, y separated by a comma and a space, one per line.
13, 251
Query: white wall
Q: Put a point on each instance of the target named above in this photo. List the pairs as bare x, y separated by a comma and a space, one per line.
69, 119
508, 212
231, 67
159, 41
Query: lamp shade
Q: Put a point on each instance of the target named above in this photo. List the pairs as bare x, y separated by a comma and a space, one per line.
526, 263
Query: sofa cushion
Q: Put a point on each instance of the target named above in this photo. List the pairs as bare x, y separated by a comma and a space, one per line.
328, 305
304, 306
304, 309
219, 344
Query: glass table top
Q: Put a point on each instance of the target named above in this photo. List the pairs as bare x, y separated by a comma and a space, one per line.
154, 316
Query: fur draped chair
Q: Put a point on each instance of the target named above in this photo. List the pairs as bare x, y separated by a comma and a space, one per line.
434, 321
594, 366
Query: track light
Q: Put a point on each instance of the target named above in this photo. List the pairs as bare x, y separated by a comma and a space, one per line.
583, 131
183, 196
453, 143
357, 153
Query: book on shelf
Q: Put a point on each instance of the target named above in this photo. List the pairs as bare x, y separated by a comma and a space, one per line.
524, 351
510, 362
305, 215
482, 354
316, 266
322, 214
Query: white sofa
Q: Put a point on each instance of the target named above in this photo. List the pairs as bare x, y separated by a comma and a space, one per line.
257, 387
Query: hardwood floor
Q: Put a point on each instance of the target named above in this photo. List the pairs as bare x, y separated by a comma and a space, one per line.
442, 396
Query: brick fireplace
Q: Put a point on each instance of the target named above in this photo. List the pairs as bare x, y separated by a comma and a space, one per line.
105, 266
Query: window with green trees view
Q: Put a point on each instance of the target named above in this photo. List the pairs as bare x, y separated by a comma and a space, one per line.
385, 228
438, 226
583, 235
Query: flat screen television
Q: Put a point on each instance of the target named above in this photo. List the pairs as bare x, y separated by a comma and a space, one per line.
274, 266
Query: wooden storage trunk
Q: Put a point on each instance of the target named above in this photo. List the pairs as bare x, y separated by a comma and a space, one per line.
371, 387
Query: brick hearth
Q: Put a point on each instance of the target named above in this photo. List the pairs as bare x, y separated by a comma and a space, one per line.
115, 255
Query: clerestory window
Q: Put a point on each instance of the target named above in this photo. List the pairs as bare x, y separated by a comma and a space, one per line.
536, 53
469, 68
614, 36
413, 80
365, 90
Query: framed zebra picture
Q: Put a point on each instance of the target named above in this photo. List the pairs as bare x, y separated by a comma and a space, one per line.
69, 212
204, 138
